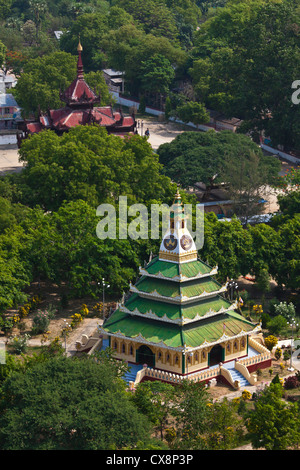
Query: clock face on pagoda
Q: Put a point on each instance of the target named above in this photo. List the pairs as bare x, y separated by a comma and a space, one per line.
170, 243
186, 242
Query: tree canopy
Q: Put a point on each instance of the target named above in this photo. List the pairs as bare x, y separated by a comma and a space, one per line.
86, 163
242, 58
69, 404
194, 157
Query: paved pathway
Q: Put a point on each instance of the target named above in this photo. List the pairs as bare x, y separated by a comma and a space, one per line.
9, 159
88, 330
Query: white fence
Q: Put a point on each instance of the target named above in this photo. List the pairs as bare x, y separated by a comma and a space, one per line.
284, 155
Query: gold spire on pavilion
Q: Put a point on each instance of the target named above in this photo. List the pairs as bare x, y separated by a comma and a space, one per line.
79, 47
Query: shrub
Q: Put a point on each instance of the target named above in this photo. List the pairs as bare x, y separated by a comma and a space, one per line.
76, 319
291, 382
41, 321
285, 310
265, 319
20, 343
270, 342
277, 324
278, 354
271, 307
246, 395
84, 311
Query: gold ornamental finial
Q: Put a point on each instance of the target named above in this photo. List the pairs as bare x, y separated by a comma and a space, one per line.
79, 47
177, 198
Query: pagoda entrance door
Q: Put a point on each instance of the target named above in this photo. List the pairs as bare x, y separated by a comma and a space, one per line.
216, 355
144, 355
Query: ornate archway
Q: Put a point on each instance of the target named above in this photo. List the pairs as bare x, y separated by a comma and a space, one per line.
216, 355
144, 355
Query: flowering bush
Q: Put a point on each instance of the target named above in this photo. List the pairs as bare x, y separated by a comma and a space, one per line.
278, 353
29, 306
16, 319
20, 343
84, 311
246, 395
41, 321
98, 308
270, 342
76, 319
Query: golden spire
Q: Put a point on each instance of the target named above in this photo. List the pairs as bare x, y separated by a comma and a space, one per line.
79, 47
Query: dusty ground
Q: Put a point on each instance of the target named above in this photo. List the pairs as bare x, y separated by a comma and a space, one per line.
51, 294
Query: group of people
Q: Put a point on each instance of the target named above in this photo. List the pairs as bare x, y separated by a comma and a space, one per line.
140, 124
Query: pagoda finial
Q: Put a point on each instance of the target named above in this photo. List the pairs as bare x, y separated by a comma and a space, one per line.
79, 61
177, 199
79, 47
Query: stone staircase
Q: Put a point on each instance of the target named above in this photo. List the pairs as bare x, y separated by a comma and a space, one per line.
236, 375
131, 374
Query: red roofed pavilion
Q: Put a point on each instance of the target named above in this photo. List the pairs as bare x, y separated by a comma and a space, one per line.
80, 109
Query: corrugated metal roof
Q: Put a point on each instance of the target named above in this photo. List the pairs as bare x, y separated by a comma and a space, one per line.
8, 100
174, 289
192, 335
171, 270
176, 311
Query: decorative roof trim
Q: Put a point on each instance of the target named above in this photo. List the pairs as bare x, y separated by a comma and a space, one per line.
179, 321
178, 298
180, 277
183, 349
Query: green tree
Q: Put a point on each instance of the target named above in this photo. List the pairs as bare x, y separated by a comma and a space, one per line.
97, 82
224, 426
287, 270
38, 9
2, 52
5, 6
154, 400
194, 112
87, 163
41, 81
274, 423
91, 28
243, 55
68, 404
15, 272
194, 157
191, 414
154, 17
156, 74
276, 325
267, 248
247, 176
63, 247
227, 245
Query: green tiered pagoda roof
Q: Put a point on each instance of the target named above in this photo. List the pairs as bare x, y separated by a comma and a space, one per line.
176, 313
177, 272
164, 334
177, 303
